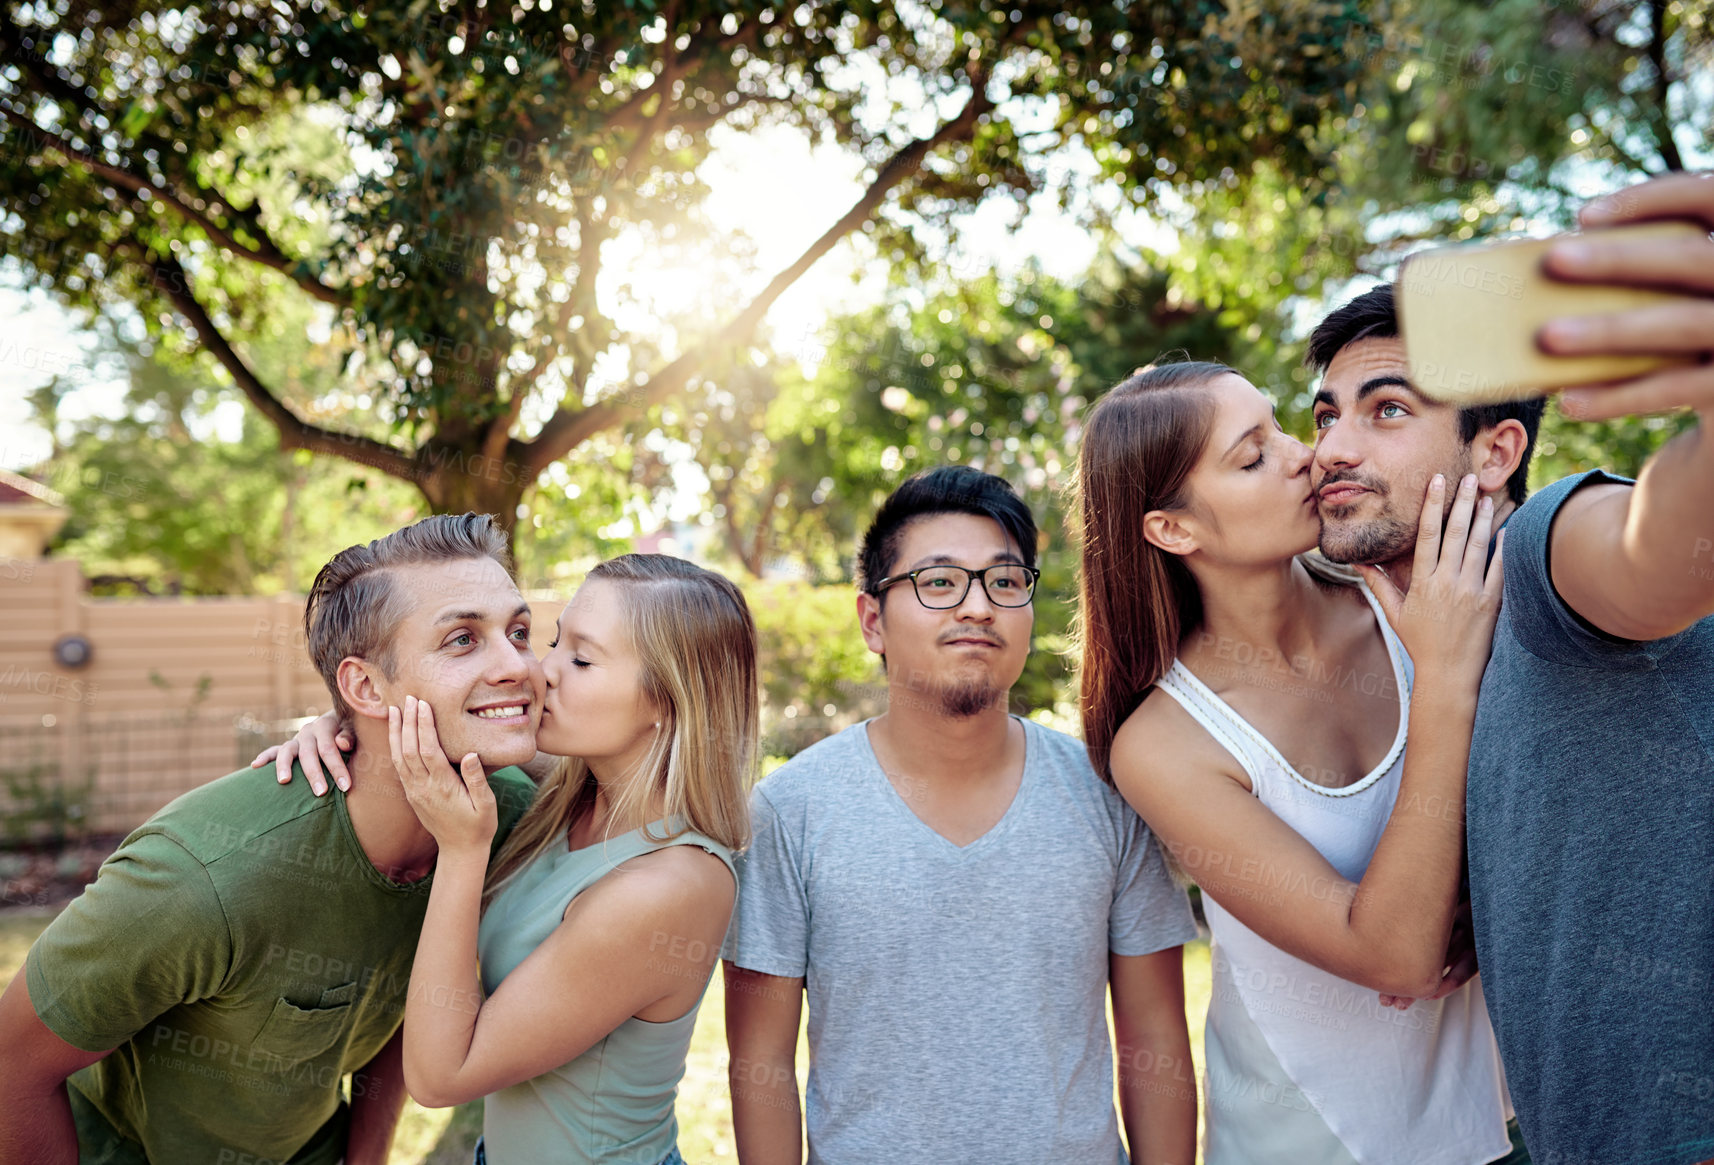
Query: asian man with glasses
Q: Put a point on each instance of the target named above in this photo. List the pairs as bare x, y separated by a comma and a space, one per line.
954, 891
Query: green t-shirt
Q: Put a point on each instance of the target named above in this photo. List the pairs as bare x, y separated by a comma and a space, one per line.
241, 955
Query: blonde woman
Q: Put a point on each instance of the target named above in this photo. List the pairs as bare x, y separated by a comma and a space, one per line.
598, 925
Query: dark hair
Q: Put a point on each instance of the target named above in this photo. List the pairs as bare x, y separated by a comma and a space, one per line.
1373, 315
1136, 601
353, 607
947, 489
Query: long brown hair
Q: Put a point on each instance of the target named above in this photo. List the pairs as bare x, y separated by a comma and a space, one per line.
1137, 602
696, 642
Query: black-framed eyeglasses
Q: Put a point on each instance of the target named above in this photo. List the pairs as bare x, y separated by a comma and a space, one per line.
940, 588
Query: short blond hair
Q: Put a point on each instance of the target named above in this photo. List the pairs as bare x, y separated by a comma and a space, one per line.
353, 607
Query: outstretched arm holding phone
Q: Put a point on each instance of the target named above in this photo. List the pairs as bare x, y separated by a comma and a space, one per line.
1637, 562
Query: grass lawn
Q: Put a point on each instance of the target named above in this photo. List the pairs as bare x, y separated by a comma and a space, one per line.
447, 1136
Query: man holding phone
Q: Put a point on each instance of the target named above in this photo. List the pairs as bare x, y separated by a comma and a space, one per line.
1591, 794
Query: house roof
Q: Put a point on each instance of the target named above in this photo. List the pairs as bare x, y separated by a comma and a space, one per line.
16, 489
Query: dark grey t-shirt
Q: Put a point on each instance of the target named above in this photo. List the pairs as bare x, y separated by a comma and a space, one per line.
1591, 834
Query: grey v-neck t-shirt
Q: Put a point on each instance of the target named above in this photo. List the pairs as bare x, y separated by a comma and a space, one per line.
956, 994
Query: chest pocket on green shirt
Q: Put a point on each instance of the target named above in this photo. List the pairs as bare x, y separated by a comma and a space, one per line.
294, 1034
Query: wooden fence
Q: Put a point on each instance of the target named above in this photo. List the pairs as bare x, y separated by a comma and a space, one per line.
176, 692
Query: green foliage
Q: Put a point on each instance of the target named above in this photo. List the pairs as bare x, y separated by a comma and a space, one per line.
41, 808
812, 658
576, 515
440, 183
993, 373
1471, 120
1564, 446
161, 504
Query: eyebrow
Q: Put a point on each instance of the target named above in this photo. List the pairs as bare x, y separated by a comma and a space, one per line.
477, 616
948, 560
580, 637
1367, 389
1248, 433
1370, 387
1242, 437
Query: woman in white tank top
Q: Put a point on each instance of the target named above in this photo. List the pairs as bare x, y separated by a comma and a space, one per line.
1344, 1025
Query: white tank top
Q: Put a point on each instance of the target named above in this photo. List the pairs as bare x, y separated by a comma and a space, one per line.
1423, 1085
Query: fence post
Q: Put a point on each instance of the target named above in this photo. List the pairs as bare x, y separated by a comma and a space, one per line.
283, 647
71, 622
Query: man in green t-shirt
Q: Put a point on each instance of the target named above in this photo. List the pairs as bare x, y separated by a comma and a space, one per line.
250, 945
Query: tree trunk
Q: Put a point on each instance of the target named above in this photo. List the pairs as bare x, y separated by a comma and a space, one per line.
456, 481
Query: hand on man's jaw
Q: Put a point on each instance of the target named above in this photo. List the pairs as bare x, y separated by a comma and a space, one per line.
387, 827
1387, 537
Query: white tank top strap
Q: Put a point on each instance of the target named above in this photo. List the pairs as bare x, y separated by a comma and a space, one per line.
1212, 713
1261, 760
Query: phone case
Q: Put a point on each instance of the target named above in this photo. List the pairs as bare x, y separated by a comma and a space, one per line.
1469, 314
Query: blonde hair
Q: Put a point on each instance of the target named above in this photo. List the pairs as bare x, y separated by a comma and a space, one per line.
696, 643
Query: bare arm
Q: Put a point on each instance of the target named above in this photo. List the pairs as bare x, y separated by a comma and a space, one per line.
377, 1096
35, 1121
644, 936
762, 1015
1157, 1084
1389, 931
1638, 563
641, 942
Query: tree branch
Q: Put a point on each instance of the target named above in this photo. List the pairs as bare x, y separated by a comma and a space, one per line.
135, 184
580, 301
566, 429
1662, 82
170, 279
588, 65
29, 61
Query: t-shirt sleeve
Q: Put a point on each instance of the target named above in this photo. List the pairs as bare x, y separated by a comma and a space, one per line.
770, 925
513, 793
1533, 612
1150, 911
148, 934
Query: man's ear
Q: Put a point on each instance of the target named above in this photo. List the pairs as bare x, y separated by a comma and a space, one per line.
361, 683
1496, 453
1167, 530
869, 615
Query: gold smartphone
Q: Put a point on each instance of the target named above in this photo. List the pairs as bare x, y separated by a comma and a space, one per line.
1468, 316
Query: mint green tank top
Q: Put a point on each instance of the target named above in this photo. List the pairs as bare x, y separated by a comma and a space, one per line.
614, 1103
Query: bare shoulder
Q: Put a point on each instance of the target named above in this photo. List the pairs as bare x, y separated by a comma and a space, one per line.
685, 870
1160, 749
679, 883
